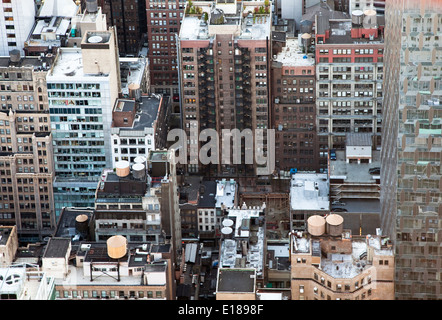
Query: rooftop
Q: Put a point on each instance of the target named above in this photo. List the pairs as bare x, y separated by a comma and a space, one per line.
25, 284
225, 193
340, 32
4, 235
38, 63
229, 17
207, 195
309, 191
66, 227
146, 112
292, 55
236, 280
57, 248
58, 8
354, 172
243, 239
132, 71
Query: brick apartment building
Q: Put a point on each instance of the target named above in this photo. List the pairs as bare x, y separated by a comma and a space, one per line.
224, 63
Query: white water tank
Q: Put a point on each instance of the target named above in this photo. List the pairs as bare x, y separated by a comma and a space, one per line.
316, 225
139, 171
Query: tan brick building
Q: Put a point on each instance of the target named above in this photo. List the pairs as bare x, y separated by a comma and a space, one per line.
26, 163
328, 263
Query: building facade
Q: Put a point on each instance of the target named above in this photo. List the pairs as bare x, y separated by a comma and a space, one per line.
129, 19
410, 159
163, 27
349, 71
26, 159
83, 85
16, 22
328, 263
294, 108
224, 63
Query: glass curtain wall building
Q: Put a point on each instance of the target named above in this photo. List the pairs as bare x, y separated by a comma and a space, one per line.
411, 197
82, 88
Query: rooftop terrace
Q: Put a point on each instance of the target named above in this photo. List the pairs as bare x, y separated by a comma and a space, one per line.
206, 18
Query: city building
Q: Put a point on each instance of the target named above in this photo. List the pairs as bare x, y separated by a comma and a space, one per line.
26, 159
163, 27
242, 259
8, 245
16, 22
208, 221
411, 194
224, 51
122, 206
349, 74
309, 195
76, 224
115, 269
52, 27
329, 263
294, 108
20, 282
189, 196
138, 127
83, 85
20, 279
129, 19
378, 5
161, 168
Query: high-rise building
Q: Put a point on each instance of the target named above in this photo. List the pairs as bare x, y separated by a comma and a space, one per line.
349, 71
294, 109
163, 27
16, 22
129, 19
411, 193
83, 85
224, 50
26, 162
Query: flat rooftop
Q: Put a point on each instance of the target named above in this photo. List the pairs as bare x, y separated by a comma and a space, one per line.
57, 248
354, 172
292, 55
226, 18
225, 193
340, 33
236, 280
309, 191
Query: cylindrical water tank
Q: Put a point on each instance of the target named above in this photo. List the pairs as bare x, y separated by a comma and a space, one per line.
140, 159
116, 247
122, 168
139, 171
356, 17
81, 223
316, 225
369, 21
134, 91
14, 55
306, 40
91, 6
227, 222
335, 224
227, 232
